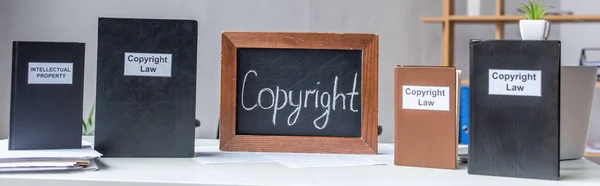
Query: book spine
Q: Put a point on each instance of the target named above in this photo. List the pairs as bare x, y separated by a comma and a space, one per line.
13, 93
472, 94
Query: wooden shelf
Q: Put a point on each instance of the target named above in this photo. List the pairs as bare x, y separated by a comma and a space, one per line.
432, 19
466, 82
448, 20
589, 154
513, 18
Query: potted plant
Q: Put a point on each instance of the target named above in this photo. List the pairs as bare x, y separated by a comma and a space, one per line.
533, 26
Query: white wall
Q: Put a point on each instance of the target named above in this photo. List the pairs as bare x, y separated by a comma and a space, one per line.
5, 69
402, 36
576, 36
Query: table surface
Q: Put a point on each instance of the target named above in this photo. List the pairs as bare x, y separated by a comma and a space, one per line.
185, 171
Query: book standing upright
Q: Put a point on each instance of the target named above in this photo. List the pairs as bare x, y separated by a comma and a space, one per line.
426, 116
46, 106
146, 89
515, 108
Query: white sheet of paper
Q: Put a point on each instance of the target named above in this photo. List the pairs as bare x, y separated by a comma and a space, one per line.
211, 155
37, 164
306, 160
385, 152
463, 149
37, 169
93, 166
45, 167
9, 155
86, 144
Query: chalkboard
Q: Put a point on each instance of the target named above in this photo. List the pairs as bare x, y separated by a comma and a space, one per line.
298, 92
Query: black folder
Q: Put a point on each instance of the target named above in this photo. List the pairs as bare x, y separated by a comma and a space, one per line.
46, 106
514, 89
146, 87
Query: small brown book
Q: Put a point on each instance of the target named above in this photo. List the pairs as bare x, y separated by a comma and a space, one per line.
426, 116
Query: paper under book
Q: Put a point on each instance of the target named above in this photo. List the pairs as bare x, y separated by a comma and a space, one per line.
47, 160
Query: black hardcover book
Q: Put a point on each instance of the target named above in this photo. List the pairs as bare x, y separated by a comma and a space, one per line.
146, 89
514, 88
46, 106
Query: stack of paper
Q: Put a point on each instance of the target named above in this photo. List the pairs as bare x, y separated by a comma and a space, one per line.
46, 160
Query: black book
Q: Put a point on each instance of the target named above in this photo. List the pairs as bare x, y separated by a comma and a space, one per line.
146, 87
514, 124
46, 105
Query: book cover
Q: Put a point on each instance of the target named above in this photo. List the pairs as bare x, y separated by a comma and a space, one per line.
426, 116
515, 108
146, 87
46, 107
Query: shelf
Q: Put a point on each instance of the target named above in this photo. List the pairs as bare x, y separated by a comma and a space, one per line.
589, 154
499, 19
513, 18
466, 82
432, 19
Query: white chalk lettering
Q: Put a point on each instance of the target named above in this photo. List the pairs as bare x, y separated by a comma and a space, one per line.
296, 111
324, 101
277, 108
352, 94
260, 98
244, 86
337, 95
325, 114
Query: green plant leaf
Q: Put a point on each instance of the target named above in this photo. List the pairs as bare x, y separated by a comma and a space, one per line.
85, 128
91, 114
87, 123
534, 11
527, 10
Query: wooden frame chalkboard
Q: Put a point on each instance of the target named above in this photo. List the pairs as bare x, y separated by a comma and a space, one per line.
367, 44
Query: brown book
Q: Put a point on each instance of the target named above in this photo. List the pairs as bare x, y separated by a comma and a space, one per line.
426, 116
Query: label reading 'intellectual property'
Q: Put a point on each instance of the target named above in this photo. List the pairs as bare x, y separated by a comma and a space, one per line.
515, 82
148, 64
50, 73
426, 98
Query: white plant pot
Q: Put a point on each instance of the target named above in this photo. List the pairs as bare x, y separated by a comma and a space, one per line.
473, 7
534, 29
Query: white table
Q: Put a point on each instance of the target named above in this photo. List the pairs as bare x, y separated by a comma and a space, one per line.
185, 171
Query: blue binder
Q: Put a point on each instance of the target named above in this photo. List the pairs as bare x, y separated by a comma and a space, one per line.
464, 115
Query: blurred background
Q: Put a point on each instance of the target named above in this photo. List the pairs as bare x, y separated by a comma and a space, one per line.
404, 39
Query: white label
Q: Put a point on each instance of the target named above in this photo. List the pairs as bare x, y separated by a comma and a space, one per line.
515, 82
50, 73
426, 98
147, 64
